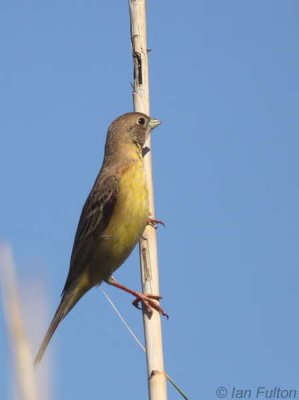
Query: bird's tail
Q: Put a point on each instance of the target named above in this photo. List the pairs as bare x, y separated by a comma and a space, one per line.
69, 298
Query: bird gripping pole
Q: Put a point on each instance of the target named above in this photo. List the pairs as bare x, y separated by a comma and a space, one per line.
148, 242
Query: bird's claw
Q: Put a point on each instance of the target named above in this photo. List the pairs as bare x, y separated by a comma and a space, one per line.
154, 222
148, 303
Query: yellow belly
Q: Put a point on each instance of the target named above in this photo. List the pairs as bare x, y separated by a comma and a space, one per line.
127, 223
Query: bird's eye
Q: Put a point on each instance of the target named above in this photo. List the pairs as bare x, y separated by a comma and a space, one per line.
141, 121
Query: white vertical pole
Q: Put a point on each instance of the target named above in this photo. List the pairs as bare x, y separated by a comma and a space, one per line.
148, 243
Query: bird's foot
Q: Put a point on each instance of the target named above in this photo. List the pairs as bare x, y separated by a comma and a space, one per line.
154, 222
148, 303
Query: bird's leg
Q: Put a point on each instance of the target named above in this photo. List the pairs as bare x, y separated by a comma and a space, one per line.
153, 221
147, 300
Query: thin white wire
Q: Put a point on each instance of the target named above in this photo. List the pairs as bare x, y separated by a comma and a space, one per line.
139, 342
123, 321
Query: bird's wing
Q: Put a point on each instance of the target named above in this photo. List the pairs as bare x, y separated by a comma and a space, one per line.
95, 217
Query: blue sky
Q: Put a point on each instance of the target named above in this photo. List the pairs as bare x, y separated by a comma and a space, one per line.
224, 81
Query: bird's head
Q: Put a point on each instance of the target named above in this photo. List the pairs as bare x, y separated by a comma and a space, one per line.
128, 129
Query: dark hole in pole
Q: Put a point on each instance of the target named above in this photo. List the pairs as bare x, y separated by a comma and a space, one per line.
137, 68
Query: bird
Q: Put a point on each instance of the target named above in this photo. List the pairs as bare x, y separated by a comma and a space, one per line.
112, 220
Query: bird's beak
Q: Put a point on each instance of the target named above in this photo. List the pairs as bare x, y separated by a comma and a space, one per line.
153, 123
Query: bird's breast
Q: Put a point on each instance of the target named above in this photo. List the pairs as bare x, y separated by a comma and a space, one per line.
129, 216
